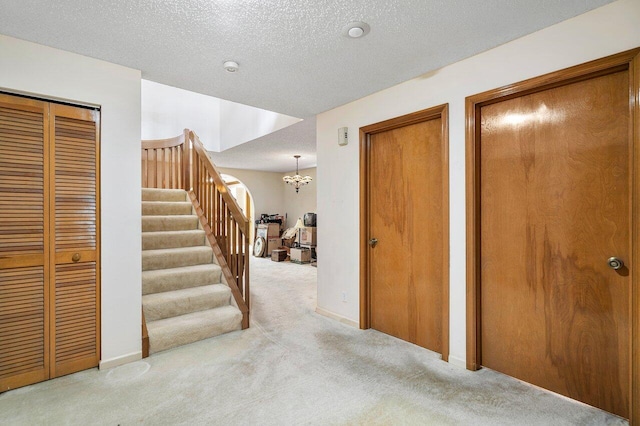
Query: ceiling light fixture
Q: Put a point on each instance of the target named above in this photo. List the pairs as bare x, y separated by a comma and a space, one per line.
230, 66
356, 29
297, 181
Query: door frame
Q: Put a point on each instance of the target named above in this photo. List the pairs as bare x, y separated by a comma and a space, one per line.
441, 112
629, 60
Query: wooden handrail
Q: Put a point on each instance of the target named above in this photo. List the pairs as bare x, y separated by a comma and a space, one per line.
182, 162
221, 186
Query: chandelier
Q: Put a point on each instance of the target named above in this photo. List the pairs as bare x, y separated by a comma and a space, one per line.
297, 181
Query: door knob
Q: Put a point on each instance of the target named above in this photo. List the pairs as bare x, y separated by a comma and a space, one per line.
373, 242
615, 263
76, 257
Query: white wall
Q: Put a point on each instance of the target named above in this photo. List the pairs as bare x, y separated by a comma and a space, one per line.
305, 201
220, 124
243, 123
601, 32
51, 73
167, 111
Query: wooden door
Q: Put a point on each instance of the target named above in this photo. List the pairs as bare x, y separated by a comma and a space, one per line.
554, 205
74, 225
49, 262
24, 236
407, 213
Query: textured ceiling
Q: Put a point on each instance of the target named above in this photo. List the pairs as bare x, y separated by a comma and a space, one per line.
274, 152
293, 57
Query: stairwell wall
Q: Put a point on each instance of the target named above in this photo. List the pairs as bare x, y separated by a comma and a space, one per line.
45, 72
604, 31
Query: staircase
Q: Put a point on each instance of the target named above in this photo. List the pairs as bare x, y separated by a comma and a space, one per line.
183, 297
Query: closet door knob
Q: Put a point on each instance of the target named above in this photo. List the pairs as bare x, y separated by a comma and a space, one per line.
373, 242
76, 257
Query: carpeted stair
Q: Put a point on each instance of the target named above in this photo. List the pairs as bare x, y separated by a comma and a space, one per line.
183, 297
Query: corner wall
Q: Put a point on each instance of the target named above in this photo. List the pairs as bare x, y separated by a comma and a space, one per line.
55, 74
598, 33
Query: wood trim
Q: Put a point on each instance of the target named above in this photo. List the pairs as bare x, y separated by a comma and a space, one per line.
634, 409
50, 220
622, 61
444, 116
163, 143
145, 337
23, 260
442, 112
472, 209
231, 281
365, 301
97, 118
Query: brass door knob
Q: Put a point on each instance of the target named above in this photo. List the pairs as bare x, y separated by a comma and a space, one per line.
615, 263
76, 257
373, 242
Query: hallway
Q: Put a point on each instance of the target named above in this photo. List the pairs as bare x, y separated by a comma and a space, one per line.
292, 366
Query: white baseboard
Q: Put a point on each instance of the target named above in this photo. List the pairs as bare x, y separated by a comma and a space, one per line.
458, 362
337, 317
121, 360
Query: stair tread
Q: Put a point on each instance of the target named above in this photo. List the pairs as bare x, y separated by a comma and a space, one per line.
168, 216
153, 194
169, 258
177, 222
183, 301
180, 270
168, 234
162, 280
173, 208
177, 250
176, 331
159, 202
199, 291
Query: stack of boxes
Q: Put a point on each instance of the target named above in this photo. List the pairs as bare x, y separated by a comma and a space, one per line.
271, 234
307, 250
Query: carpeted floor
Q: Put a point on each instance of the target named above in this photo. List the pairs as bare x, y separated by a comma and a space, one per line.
292, 367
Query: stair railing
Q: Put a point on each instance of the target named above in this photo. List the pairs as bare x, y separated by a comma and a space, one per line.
165, 163
226, 227
182, 163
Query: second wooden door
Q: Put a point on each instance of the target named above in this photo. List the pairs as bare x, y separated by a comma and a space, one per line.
554, 252
407, 231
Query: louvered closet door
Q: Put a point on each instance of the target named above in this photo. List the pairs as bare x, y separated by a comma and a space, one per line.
74, 223
24, 248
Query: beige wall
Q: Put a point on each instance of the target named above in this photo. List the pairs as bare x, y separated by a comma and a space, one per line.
265, 188
271, 195
296, 205
55, 74
601, 32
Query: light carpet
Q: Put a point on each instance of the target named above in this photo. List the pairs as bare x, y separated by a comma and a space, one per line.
292, 367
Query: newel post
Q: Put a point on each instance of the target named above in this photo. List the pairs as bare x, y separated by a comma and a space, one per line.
187, 161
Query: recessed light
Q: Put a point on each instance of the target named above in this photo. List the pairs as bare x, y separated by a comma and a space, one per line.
356, 29
356, 32
230, 66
